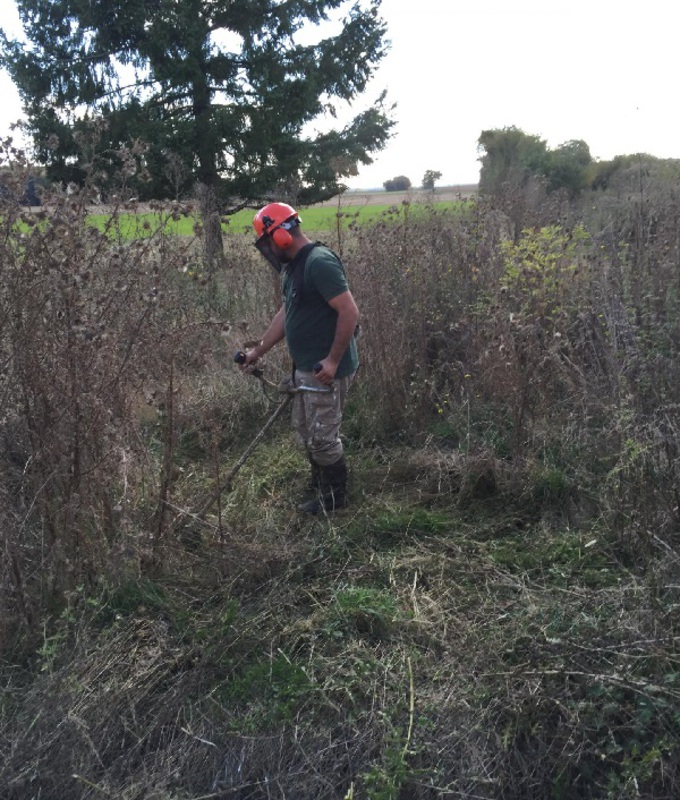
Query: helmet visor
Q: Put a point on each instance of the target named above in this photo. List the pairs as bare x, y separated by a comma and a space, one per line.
264, 247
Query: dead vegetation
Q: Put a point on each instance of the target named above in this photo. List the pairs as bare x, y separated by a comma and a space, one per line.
495, 616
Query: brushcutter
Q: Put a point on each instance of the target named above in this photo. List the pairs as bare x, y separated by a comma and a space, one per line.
286, 388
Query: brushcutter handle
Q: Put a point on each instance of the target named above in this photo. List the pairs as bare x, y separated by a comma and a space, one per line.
240, 358
328, 388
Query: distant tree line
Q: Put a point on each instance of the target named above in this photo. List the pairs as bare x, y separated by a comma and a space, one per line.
430, 177
399, 184
402, 184
510, 158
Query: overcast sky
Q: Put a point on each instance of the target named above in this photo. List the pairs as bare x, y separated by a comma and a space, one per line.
598, 70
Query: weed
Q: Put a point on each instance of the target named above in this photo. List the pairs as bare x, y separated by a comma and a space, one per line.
362, 612
270, 692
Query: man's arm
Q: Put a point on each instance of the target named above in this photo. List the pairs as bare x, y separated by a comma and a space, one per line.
273, 335
348, 316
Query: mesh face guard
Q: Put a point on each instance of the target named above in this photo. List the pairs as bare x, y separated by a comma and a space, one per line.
264, 247
264, 243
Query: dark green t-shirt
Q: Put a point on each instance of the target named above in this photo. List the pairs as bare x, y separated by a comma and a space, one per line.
310, 321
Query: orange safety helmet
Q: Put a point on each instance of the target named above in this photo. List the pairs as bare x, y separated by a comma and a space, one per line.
276, 220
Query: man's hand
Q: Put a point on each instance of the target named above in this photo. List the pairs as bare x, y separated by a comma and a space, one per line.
327, 372
252, 356
274, 334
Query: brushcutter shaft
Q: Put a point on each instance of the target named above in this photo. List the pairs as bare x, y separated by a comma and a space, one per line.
311, 389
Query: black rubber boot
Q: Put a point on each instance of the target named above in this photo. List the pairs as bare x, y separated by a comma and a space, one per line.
314, 475
333, 490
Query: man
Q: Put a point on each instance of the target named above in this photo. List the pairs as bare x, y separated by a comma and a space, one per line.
318, 319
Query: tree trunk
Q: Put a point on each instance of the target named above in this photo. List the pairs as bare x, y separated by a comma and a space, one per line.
213, 246
208, 176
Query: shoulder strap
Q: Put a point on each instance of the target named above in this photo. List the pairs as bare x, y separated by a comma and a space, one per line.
296, 269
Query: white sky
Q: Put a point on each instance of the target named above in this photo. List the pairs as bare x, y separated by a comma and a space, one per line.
598, 70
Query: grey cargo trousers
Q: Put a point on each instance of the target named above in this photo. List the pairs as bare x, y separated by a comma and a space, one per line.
317, 417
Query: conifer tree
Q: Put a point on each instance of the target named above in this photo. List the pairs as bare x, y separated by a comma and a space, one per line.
229, 89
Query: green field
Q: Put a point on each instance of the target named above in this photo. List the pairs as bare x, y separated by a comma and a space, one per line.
319, 218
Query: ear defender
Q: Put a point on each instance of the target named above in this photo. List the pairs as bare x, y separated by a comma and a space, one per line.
282, 238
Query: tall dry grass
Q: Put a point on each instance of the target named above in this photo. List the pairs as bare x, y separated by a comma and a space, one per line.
495, 615
113, 353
